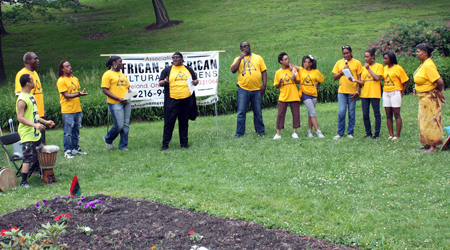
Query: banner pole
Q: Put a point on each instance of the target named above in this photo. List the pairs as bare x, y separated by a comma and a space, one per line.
217, 124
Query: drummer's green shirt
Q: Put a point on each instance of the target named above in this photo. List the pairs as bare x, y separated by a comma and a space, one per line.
29, 133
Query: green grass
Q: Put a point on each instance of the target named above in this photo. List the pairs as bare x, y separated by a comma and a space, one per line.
371, 194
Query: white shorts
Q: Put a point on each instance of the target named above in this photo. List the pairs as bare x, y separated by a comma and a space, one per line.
392, 99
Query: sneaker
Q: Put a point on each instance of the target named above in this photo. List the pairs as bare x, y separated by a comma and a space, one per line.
78, 151
367, 136
237, 136
24, 185
186, 146
350, 136
277, 136
68, 154
164, 149
319, 134
310, 133
126, 149
375, 137
108, 145
295, 136
337, 137
262, 134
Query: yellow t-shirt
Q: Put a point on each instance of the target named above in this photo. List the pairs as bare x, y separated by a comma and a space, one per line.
178, 85
371, 88
288, 89
71, 86
37, 91
394, 78
254, 66
345, 85
308, 80
425, 76
29, 133
117, 83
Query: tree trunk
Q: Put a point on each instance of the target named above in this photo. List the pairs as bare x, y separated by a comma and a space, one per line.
2, 28
160, 12
2, 67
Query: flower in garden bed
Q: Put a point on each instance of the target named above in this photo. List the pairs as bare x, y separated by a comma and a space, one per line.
90, 206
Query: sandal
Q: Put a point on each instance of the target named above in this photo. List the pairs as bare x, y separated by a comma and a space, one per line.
424, 147
429, 151
394, 138
390, 137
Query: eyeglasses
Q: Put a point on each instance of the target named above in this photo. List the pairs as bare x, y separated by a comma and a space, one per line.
176, 57
346, 47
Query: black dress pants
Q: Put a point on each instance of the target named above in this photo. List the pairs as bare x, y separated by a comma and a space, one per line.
177, 108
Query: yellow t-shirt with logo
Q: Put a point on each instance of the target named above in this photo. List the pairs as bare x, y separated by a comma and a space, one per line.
71, 86
371, 88
308, 80
345, 85
29, 133
37, 91
178, 85
394, 78
249, 72
425, 76
288, 89
117, 83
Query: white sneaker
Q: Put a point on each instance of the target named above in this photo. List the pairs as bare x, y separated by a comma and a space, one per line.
68, 154
310, 133
337, 137
78, 151
295, 136
350, 136
319, 134
277, 136
108, 145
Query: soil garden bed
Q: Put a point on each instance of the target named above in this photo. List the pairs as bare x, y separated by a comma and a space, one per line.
125, 223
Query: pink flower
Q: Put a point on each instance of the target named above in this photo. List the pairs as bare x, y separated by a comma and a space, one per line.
190, 232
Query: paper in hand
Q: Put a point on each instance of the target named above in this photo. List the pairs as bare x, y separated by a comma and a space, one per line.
190, 85
128, 96
347, 73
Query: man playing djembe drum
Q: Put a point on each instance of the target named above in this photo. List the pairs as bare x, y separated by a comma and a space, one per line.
29, 125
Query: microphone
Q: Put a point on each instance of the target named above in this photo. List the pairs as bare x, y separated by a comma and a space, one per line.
346, 62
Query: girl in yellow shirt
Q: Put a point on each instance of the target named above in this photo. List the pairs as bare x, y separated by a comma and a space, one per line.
371, 92
395, 84
285, 81
310, 78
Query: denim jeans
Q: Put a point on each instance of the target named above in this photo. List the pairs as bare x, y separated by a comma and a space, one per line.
244, 98
71, 126
120, 112
344, 101
365, 103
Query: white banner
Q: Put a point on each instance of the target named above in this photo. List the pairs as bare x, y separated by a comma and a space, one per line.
143, 71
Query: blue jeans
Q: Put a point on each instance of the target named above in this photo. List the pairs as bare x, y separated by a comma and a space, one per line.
244, 98
71, 126
121, 113
344, 101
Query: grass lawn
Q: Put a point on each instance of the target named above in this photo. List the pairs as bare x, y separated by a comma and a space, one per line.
361, 192
371, 194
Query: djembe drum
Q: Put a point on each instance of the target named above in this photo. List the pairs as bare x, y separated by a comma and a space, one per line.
47, 161
8, 179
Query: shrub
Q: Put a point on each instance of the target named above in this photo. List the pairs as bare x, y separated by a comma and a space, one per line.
403, 37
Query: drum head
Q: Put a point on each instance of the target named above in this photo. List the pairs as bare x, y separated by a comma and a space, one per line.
49, 149
8, 179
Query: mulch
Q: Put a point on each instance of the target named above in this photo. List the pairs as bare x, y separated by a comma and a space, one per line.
125, 223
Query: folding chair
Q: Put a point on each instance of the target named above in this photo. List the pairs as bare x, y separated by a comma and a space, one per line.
9, 140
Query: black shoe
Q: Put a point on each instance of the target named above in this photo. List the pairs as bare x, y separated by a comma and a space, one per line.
375, 137
367, 136
186, 146
164, 149
237, 136
262, 134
